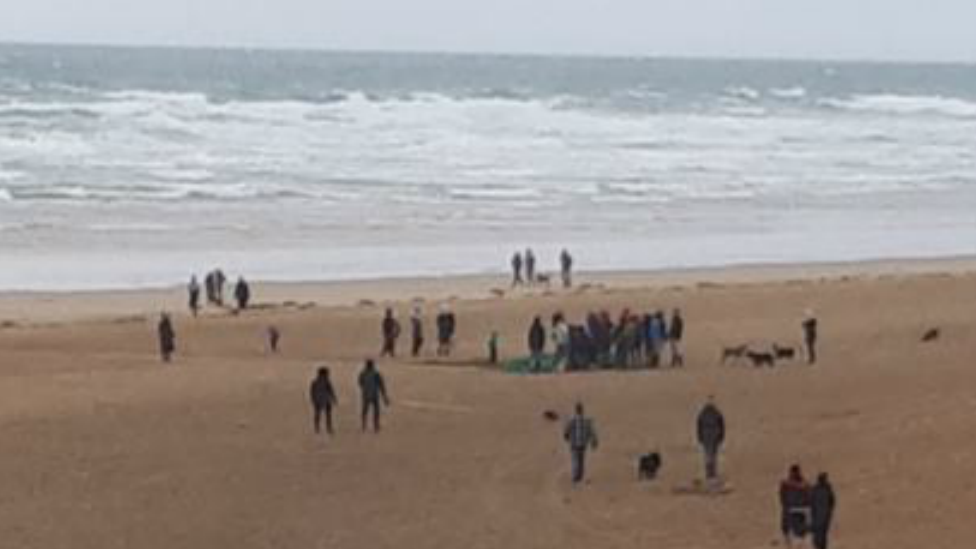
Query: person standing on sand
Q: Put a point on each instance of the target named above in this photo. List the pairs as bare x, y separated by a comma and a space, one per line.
242, 293
566, 268
794, 500
711, 436
529, 266
810, 336
822, 503
391, 332
194, 290
675, 334
537, 344
580, 435
416, 332
167, 337
446, 324
220, 280
372, 391
323, 397
517, 270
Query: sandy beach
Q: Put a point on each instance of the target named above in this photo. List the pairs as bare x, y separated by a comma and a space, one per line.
103, 446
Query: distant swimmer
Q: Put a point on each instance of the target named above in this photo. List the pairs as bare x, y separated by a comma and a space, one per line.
391, 332
372, 391
580, 436
323, 397
711, 436
193, 289
167, 337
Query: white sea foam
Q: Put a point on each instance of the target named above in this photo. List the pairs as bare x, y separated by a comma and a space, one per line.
906, 105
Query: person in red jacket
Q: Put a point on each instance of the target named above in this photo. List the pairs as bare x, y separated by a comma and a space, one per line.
794, 500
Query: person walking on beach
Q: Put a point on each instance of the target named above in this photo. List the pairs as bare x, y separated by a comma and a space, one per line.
194, 290
580, 435
810, 336
529, 266
167, 337
391, 332
566, 268
676, 333
517, 270
537, 344
323, 397
822, 503
416, 332
794, 500
242, 293
711, 436
372, 391
446, 324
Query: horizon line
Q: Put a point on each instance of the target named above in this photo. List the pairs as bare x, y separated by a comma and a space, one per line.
484, 53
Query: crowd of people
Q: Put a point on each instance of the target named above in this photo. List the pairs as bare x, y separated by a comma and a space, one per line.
634, 340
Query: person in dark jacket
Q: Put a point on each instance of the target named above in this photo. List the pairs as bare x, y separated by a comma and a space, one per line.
794, 500
219, 281
822, 503
537, 344
372, 391
566, 268
517, 270
193, 289
529, 266
323, 397
810, 329
580, 435
391, 331
711, 436
416, 332
446, 325
676, 333
167, 337
242, 293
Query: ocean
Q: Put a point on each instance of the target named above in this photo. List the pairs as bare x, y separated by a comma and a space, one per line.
137, 167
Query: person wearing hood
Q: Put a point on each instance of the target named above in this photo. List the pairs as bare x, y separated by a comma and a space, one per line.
372, 389
242, 293
391, 332
167, 337
794, 500
822, 503
323, 397
537, 344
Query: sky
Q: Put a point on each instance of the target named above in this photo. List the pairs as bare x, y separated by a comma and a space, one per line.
892, 30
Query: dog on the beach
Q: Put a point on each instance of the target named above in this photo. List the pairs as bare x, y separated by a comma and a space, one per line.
648, 465
784, 353
734, 353
761, 359
931, 335
550, 415
543, 279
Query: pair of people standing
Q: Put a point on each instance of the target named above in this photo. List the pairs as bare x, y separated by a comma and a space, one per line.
372, 388
806, 509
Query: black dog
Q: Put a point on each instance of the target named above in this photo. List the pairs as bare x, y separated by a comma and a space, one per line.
931, 335
784, 353
761, 359
648, 465
734, 353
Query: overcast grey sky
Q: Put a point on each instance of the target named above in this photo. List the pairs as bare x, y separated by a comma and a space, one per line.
860, 29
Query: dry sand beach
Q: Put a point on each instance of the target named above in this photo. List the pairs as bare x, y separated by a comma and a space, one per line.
102, 446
